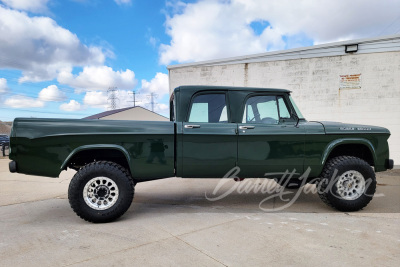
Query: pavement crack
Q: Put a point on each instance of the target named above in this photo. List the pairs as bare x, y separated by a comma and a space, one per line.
118, 251
198, 230
32, 201
160, 240
199, 250
205, 228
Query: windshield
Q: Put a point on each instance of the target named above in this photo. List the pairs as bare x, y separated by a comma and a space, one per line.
296, 108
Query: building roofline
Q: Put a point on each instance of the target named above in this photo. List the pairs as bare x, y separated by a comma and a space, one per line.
252, 57
229, 88
115, 111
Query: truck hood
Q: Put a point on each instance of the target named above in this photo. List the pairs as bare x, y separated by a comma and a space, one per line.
349, 128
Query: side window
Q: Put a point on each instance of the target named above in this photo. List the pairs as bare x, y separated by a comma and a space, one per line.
283, 110
208, 108
265, 109
248, 114
261, 109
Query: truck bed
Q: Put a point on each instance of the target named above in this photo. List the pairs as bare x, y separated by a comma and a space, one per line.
45, 147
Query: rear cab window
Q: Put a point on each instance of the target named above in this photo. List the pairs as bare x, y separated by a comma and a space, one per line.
209, 108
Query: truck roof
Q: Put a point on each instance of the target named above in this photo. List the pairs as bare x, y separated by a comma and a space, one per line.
229, 88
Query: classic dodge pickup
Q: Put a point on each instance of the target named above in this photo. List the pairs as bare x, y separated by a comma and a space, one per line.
211, 130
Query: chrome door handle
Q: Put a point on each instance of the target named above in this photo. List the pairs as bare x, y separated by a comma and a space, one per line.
246, 127
191, 126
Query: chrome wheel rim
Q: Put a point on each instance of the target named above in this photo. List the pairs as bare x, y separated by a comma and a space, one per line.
100, 193
350, 185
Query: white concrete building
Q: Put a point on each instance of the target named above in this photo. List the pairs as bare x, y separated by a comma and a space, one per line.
355, 81
130, 114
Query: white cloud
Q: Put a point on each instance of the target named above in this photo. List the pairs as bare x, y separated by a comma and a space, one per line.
153, 41
159, 85
3, 85
51, 93
123, 2
124, 98
20, 101
211, 29
40, 48
97, 99
98, 78
162, 109
143, 99
72, 105
36, 6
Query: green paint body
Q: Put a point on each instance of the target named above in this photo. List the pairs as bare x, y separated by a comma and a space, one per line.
156, 150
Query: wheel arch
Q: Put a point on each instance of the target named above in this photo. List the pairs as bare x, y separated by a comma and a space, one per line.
357, 147
89, 153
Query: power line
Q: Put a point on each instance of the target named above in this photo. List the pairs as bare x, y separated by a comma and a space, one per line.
35, 97
45, 112
31, 85
387, 27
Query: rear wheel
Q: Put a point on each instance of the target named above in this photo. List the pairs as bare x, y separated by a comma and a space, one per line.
101, 192
347, 183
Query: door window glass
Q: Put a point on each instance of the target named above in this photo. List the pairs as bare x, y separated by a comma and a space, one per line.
248, 114
261, 109
224, 115
208, 108
283, 110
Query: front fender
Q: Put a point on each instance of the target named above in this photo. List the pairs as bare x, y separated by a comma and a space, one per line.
329, 148
97, 146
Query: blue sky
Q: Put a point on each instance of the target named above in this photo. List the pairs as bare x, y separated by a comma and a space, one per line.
58, 58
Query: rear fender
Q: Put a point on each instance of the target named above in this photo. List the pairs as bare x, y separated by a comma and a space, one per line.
97, 146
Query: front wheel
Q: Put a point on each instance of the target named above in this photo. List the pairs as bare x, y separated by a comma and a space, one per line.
347, 183
101, 192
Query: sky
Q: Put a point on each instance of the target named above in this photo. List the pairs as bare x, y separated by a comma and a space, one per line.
58, 58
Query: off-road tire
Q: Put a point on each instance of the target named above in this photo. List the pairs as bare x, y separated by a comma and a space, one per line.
112, 171
327, 187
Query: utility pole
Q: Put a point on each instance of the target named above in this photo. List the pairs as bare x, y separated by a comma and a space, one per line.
112, 97
134, 98
152, 96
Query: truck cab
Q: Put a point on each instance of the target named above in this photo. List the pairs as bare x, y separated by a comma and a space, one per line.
263, 132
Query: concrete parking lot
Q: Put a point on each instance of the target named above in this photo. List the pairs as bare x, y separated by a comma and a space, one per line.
171, 223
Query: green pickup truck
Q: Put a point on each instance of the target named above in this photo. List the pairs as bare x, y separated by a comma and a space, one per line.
211, 130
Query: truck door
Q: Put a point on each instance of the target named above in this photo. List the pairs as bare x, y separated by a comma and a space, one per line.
209, 140
269, 141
